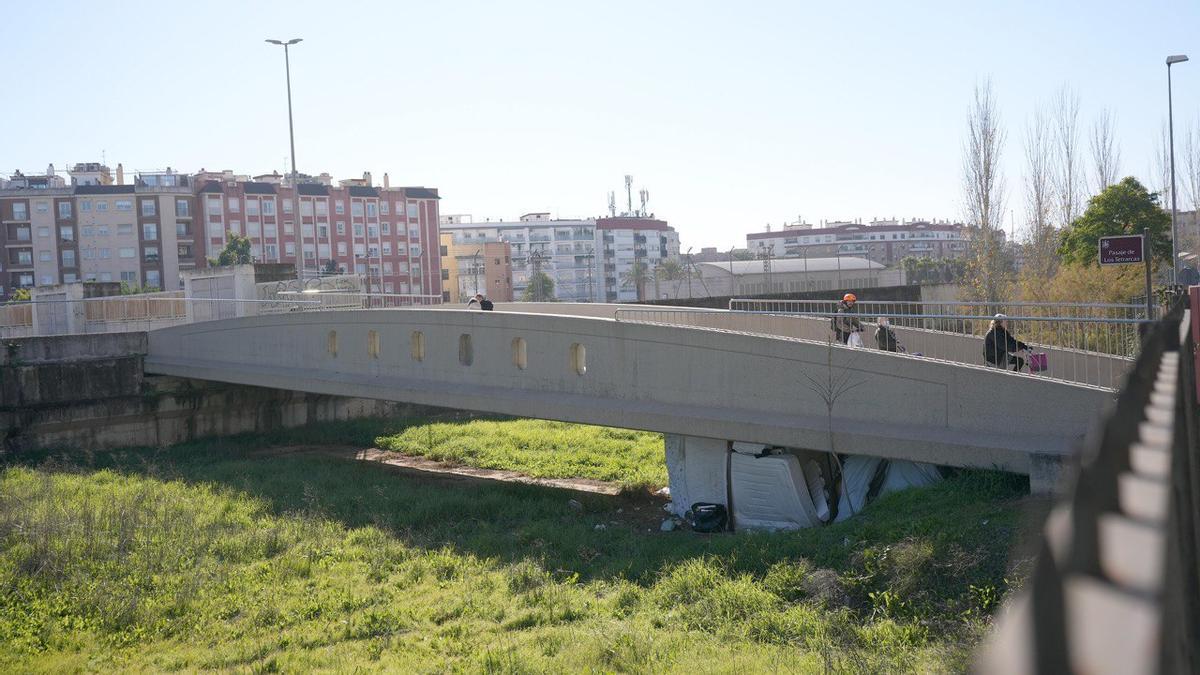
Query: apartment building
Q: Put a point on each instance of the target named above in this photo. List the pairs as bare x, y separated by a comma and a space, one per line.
476, 267
588, 259
93, 230
386, 234
883, 241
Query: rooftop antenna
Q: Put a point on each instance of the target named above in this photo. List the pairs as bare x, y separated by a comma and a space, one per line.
629, 193
645, 197
612, 204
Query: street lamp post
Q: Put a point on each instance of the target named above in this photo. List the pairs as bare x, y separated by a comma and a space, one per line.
287, 65
475, 269
1171, 60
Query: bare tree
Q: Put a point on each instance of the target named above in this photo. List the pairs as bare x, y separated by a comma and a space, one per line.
1067, 171
829, 389
1162, 168
1041, 257
1191, 187
983, 194
1106, 154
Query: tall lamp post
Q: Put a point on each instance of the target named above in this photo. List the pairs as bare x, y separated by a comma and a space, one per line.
475, 269
1171, 60
287, 64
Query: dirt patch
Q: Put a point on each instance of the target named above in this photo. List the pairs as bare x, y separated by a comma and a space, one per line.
424, 464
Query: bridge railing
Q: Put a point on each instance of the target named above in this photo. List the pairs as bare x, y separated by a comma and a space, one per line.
1106, 327
1115, 587
336, 300
1101, 363
118, 314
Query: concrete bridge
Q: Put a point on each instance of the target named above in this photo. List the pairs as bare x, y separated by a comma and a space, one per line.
705, 385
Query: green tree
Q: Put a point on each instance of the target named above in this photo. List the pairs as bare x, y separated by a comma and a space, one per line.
743, 254
331, 266
669, 270
540, 288
1124, 208
20, 295
636, 276
236, 251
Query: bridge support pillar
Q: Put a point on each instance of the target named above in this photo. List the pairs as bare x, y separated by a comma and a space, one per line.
696, 471
1045, 474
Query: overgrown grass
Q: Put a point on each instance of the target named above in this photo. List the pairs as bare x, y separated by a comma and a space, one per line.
540, 449
211, 555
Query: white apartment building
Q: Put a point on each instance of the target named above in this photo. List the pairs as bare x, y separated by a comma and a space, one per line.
588, 259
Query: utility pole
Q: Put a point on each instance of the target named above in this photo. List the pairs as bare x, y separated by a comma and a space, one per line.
475, 269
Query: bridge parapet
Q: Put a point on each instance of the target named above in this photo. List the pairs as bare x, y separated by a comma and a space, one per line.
671, 379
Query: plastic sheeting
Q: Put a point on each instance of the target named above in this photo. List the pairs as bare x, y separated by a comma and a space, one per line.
857, 472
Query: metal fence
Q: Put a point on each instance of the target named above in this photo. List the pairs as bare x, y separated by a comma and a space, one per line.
1109, 328
1102, 366
120, 314
335, 300
1115, 588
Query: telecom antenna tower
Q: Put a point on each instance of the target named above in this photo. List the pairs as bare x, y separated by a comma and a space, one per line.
629, 193
612, 204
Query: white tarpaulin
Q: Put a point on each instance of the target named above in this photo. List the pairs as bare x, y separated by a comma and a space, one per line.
857, 472
772, 492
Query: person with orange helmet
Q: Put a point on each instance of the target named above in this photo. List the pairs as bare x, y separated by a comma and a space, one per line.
846, 322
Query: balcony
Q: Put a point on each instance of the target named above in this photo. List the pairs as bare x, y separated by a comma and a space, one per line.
152, 259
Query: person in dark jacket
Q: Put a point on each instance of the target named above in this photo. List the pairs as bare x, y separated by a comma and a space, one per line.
885, 337
847, 320
1000, 347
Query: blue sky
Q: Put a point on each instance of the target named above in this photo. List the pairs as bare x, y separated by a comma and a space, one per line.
732, 115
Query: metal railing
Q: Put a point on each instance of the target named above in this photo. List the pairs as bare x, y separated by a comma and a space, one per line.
1101, 362
118, 314
334, 300
1115, 586
1104, 327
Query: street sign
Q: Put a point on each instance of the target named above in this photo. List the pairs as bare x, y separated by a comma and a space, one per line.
1121, 250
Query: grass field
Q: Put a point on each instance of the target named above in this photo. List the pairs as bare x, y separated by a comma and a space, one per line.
219, 555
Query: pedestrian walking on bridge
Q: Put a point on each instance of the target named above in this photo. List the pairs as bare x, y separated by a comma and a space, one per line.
846, 322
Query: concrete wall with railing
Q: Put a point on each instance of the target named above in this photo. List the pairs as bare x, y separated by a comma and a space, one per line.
1092, 368
671, 379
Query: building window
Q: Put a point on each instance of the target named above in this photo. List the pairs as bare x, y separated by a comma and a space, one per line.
383, 208
124, 204
19, 211
129, 277
125, 228
289, 228
183, 209
235, 205
385, 228
24, 257
387, 269
89, 253
106, 276
323, 231
105, 253
358, 229
271, 251
287, 206
42, 232
270, 231
149, 208
213, 204
235, 226
341, 248
339, 207
306, 229
289, 249
68, 258
25, 280
126, 253
67, 233
182, 230
252, 228
70, 278
268, 207
149, 231
306, 208
85, 205
412, 211
387, 248
252, 207
372, 232
322, 208
43, 206
101, 205
372, 210
341, 227
44, 256
153, 280
64, 209
356, 209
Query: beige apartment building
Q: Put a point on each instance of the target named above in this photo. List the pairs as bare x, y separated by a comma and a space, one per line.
475, 267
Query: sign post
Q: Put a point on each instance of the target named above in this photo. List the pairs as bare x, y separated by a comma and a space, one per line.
1127, 249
